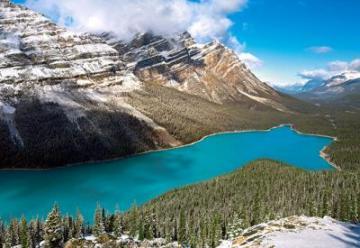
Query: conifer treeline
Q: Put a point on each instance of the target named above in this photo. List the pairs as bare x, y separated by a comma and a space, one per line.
203, 214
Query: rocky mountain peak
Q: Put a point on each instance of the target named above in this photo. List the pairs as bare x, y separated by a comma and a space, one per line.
210, 71
80, 89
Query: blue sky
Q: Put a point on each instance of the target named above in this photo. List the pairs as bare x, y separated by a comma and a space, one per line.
283, 34
280, 31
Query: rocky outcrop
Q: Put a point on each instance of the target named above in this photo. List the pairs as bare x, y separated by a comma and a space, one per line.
298, 231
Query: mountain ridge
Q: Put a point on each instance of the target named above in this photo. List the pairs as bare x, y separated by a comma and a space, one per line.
90, 92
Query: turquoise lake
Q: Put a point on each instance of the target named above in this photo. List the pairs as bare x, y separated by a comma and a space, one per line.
141, 178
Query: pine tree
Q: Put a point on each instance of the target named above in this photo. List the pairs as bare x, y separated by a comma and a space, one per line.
256, 214
245, 217
133, 221
118, 224
358, 207
38, 231
2, 232
193, 243
154, 226
352, 209
31, 235
14, 232
68, 227
312, 208
175, 234
79, 225
141, 231
237, 225
54, 230
182, 228
325, 205
99, 227
213, 236
23, 233
106, 220
345, 207
224, 224
7, 242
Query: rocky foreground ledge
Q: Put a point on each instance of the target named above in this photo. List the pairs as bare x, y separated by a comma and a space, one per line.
298, 232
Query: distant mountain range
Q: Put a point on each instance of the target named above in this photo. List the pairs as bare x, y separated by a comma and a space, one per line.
340, 88
67, 97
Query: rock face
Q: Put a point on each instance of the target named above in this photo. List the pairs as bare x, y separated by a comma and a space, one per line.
298, 231
64, 97
210, 71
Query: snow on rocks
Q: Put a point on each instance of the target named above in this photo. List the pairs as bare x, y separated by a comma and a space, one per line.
298, 232
7, 113
123, 241
45, 51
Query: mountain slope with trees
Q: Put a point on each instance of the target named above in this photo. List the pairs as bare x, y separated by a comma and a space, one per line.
68, 98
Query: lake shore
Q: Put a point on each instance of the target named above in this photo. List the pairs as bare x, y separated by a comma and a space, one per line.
322, 154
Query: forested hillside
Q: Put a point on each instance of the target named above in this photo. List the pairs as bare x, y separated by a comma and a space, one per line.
203, 214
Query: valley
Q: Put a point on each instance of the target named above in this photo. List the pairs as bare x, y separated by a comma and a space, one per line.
149, 175
97, 98
160, 140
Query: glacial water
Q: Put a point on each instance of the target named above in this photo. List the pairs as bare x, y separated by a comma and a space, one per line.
140, 178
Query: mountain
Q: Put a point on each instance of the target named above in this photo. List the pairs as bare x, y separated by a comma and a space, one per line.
68, 97
312, 85
340, 88
210, 71
300, 88
290, 89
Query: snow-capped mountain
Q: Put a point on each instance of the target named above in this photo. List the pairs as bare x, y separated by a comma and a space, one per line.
65, 95
339, 86
342, 89
339, 80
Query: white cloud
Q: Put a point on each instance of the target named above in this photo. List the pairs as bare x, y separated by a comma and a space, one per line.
338, 66
206, 27
332, 69
250, 60
235, 44
320, 49
228, 5
355, 65
314, 74
207, 19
